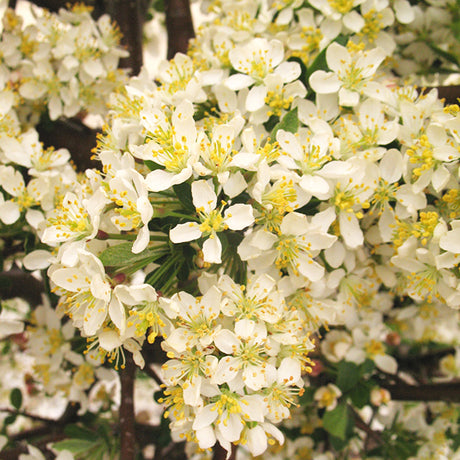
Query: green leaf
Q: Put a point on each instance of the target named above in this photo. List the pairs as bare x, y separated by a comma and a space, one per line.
76, 446
152, 165
184, 193
16, 398
335, 421
366, 367
10, 419
121, 255
444, 54
290, 122
80, 432
348, 375
360, 394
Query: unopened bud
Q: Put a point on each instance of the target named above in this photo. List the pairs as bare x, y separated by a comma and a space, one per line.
316, 367
393, 339
119, 278
101, 235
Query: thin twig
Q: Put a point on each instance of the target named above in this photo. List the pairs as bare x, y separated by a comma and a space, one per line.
152, 374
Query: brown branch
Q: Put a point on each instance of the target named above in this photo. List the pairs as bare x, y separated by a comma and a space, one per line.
221, 454
449, 392
20, 413
152, 374
127, 422
179, 26
16, 283
56, 5
449, 93
130, 17
153, 353
73, 135
373, 438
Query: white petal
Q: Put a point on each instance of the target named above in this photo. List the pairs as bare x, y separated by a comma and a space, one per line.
204, 197
309, 268
254, 378
70, 279
350, 230
185, 232
404, 12
354, 21
451, 241
288, 71
212, 250
94, 317
337, 57
289, 371
109, 340
256, 98
391, 166
239, 81
226, 371
348, 98
231, 426
257, 440
9, 212
315, 185
37, 260
227, 342
324, 82
117, 314
386, 363
239, 216
205, 417
142, 240
206, 437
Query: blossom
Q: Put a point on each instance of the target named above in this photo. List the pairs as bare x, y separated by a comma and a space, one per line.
349, 73
87, 294
327, 396
211, 221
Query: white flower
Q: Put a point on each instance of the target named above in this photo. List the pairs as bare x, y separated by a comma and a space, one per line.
246, 349
170, 144
255, 61
327, 396
298, 243
87, 293
128, 190
349, 75
235, 217
196, 322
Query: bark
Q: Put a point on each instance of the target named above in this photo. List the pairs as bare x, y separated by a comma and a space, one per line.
73, 135
179, 26
221, 454
448, 392
16, 283
127, 422
130, 16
